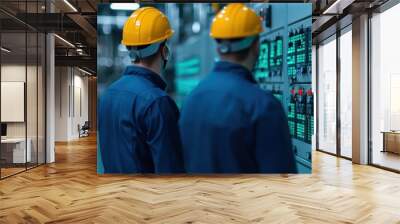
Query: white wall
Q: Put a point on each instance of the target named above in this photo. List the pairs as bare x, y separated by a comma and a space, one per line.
16, 72
71, 94
80, 104
61, 103
13, 99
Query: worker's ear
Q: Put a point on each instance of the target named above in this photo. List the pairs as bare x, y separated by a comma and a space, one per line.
256, 47
166, 53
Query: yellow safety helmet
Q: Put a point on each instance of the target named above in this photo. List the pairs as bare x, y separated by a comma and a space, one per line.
146, 26
236, 20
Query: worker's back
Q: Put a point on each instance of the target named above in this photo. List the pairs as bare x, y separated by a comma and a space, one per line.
138, 130
229, 125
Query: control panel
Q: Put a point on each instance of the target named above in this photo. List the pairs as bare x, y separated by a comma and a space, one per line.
299, 76
284, 67
269, 67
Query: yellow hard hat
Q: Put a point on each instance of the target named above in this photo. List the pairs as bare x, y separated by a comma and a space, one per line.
145, 26
236, 20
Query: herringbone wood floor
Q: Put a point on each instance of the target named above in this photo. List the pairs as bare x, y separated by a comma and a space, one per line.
70, 191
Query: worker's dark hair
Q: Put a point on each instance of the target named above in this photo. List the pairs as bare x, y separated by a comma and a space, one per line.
150, 59
239, 55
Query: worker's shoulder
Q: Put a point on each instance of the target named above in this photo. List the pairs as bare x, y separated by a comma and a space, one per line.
267, 95
261, 98
269, 103
259, 92
128, 84
140, 101
254, 92
153, 94
135, 86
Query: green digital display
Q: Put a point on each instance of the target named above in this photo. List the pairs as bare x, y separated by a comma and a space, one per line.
300, 42
300, 132
276, 52
291, 71
279, 47
291, 127
291, 119
270, 59
301, 58
272, 54
310, 128
291, 60
263, 57
188, 67
291, 110
260, 74
298, 51
291, 48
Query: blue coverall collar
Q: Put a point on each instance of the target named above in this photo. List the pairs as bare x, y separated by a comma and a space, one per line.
233, 68
147, 74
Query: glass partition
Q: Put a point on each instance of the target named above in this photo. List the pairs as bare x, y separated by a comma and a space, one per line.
327, 95
31, 100
14, 151
41, 96
22, 89
385, 89
346, 92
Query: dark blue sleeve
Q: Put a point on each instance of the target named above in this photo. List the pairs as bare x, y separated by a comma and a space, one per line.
274, 152
161, 123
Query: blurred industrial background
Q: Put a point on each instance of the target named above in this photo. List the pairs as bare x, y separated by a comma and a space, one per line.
193, 52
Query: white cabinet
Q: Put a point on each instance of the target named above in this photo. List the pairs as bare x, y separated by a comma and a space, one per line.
19, 154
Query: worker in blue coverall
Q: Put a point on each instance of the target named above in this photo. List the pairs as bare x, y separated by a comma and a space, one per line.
138, 121
228, 124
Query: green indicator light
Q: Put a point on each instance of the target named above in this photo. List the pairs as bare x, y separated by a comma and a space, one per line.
261, 74
301, 117
300, 130
263, 57
291, 127
301, 58
279, 48
291, 110
291, 71
291, 60
187, 71
188, 63
272, 51
188, 67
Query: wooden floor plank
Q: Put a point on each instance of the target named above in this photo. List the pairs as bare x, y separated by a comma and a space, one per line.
70, 191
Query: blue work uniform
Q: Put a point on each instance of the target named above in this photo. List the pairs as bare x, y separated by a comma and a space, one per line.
229, 125
138, 125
